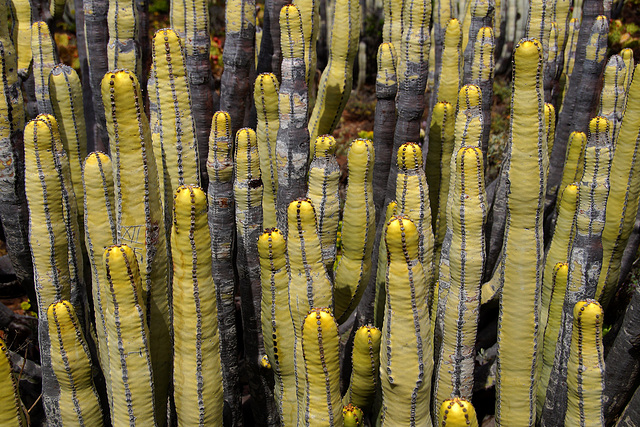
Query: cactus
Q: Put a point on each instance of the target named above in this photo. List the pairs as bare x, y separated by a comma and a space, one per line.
197, 379
574, 163
521, 268
265, 96
324, 177
221, 214
22, 33
358, 231
406, 360
310, 14
136, 185
292, 143
129, 351
270, 56
337, 78
11, 411
457, 412
364, 380
451, 73
277, 330
322, 403
455, 361
71, 362
585, 370
45, 58
123, 50
352, 416
482, 76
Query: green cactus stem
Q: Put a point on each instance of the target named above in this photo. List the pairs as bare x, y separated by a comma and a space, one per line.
337, 78
65, 90
322, 403
468, 212
13, 204
549, 125
135, 183
265, 96
585, 369
406, 360
100, 232
190, 19
443, 11
365, 375
522, 262
11, 410
574, 164
310, 14
358, 230
277, 329
393, 23
239, 60
22, 36
381, 272
585, 259
324, 193
45, 58
480, 15
221, 214
71, 362
96, 30
441, 141
123, 51
197, 380
457, 412
292, 143
129, 353
558, 280
450, 75
624, 193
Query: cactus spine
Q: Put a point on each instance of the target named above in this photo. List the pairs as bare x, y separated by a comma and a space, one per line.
265, 96
197, 380
71, 362
136, 185
358, 231
132, 382
521, 268
322, 402
406, 360
11, 412
585, 369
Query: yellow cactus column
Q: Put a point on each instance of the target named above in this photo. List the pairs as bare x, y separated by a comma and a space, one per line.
11, 411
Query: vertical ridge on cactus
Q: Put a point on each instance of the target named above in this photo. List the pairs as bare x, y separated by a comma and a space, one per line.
197, 381
585, 370
11, 412
136, 186
521, 268
71, 362
132, 382
324, 193
265, 96
221, 214
358, 231
45, 58
99, 232
337, 78
320, 342
406, 358
277, 329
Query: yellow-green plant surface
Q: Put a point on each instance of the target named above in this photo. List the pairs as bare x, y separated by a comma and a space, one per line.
11, 411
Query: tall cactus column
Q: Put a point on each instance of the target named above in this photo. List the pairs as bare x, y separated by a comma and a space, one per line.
136, 187
522, 265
